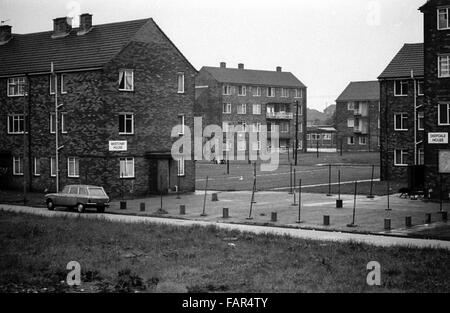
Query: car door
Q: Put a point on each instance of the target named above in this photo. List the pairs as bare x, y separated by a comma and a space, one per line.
71, 199
61, 197
83, 194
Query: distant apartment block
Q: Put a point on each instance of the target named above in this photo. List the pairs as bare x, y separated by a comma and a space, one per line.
322, 137
358, 117
251, 98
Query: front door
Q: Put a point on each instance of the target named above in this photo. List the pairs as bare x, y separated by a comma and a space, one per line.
163, 176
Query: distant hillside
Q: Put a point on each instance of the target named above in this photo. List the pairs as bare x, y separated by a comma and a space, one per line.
316, 117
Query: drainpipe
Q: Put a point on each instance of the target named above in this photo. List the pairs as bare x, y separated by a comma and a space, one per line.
415, 117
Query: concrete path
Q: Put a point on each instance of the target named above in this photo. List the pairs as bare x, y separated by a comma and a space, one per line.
384, 241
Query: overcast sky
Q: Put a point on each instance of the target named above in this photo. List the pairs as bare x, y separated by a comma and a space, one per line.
325, 43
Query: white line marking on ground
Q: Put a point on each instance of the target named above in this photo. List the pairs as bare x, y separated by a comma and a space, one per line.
333, 184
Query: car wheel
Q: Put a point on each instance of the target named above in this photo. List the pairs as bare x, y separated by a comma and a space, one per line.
80, 207
101, 209
50, 205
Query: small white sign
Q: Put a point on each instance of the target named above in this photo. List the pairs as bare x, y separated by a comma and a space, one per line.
117, 146
444, 161
438, 138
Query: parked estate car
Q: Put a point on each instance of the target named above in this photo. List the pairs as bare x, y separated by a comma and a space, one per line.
79, 197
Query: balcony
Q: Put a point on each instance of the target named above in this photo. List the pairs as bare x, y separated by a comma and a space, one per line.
280, 115
361, 110
360, 129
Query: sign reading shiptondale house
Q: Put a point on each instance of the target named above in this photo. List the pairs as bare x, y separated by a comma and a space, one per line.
437, 138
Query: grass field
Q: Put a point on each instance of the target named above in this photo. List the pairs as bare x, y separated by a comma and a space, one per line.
150, 258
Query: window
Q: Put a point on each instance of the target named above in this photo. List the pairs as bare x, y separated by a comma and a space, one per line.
73, 167
242, 127
270, 92
308, 137
326, 136
350, 122
256, 146
400, 121
16, 124
225, 127
242, 145
420, 121
351, 106
256, 127
126, 167
226, 90
52, 167
257, 92
298, 93
126, 124
126, 80
420, 156
284, 127
37, 167
401, 88
242, 108
52, 84
17, 166
227, 108
63, 86
420, 87
257, 109
181, 166
180, 79
284, 92
444, 66
63, 123
181, 122
16, 86
400, 157
315, 136
52, 123
228, 145
242, 91
443, 22
351, 140
362, 140
444, 114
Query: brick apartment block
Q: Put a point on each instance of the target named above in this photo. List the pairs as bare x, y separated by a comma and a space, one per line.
249, 98
115, 82
358, 117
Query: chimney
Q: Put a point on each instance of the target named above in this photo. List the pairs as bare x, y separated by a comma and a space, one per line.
241, 66
62, 27
5, 34
85, 24
223, 65
278, 68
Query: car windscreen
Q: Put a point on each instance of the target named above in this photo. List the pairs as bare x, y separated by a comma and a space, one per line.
96, 192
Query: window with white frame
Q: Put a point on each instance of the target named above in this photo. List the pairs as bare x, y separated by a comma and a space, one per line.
351, 122
37, 167
63, 123
351, 140
420, 121
52, 123
401, 88
126, 80
181, 166
444, 114
16, 124
257, 109
420, 87
53, 167
362, 140
400, 121
351, 106
226, 108
400, 157
52, 83
308, 137
242, 145
421, 156
444, 66
181, 122
63, 85
257, 92
180, 81
443, 18
126, 168
256, 127
284, 93
226, 90
126, 124
16, 86
242, 90
298, 93
270, 91
17, 166
315, 136
242, 108
326, 136
73, 167
284, 127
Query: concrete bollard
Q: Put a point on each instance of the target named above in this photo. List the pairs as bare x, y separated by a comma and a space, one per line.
273, 217
444, 216
408, 221
225, 213
428, 218
142, 207
123, 205
214, 197
387, 224
326, 220
182, 209
339, 204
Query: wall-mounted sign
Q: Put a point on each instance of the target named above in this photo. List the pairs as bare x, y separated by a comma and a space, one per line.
444, 161
117, 146
437, 138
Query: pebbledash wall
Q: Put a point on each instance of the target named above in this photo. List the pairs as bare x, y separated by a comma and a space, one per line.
92, 104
